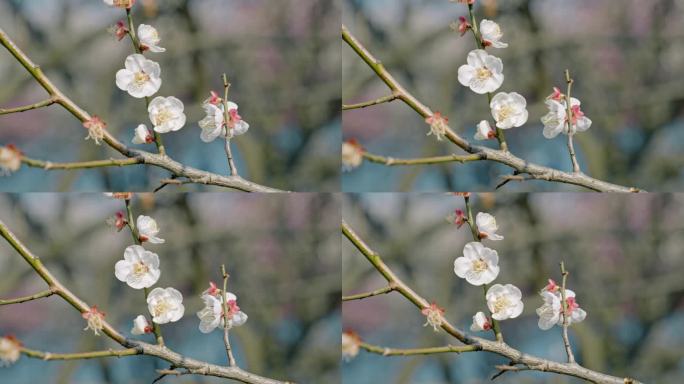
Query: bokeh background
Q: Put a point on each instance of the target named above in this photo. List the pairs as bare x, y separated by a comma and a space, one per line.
625, 258
282, 58
626, 57
282, 253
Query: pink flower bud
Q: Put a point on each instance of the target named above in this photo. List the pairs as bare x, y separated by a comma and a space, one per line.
556, 95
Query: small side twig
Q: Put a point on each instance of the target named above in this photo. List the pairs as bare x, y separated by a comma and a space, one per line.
229, 152
24, 108
226, 328
571, 147
380, 100
366, 295
35, 296
564, 314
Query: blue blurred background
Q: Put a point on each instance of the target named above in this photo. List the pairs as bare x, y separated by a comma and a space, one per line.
282, 58
625, 56
282, 253
625, 258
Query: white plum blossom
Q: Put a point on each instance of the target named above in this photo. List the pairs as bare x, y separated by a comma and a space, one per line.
149, 38
352, 155
509, 110
350, 345
143, 135
141, 326
504, 301
480, 323
10, 350
140, 77
148, 230
165, 305
556, 120
139, 268
484, 131
214, 124
166, 113
212, 315
550, 313
491, 34
10, 160
487, 227
478, 265
482, 73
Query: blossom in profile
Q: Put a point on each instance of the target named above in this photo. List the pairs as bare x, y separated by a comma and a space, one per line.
212, 315
351, 343
434, 315
491, 34
96, 129
509, 110
10, 350
148, 230
139, 267
483, 72
214, 124
487, 227
438, 125
556, 119
504, 301
352, 154
479, 265
95, 319
480, 323
149, 39
166, 113
142, 135
10, 160
484, 131
141, 326
140, 76
165, 305
550, 313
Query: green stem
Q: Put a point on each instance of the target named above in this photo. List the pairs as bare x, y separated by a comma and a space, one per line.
48, 165
365, 295
417, 351
35, 296
29, 107
80, 355
390, 161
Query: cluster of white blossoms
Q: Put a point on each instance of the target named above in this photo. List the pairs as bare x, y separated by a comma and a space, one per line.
479, 266
221, 120
213, 315
551, 312
558, 121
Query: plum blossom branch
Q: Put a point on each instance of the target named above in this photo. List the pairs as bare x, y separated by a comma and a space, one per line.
564, 314
48, 165
229, 153
35, 296
40, 104
500, 348
385, 351
518, 164
162, 352
571, 147
226, 318
453, 158
365, 295
157, 160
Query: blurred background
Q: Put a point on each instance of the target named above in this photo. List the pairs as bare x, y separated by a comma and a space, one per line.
282, 58
624, 254
626, 58
282, 253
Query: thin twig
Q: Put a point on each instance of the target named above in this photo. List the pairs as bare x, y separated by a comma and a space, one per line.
390, 161
564, 314
226, 318
226, 117
49, 165
385, 351
80, 355
568, 98
35, 296
380, 100
365, 295
29, 107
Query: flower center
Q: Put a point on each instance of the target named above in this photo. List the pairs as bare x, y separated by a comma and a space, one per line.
504, 113
161, 308
479, 266
140, 268
500, 304
163, 116
140, 78
483, 73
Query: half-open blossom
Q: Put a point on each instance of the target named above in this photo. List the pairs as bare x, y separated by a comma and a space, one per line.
149, 39
140, 77
141, 326
143, 135
10, 160
212, 315
350, 345
457, 217
491, 34
352, 154
95, 320
120, 3
504, 301
148, 230
139, 268
480, 323
550, 313
556, 120
509, 110
479, 265
96, 129
484, 131
166, 113
462, 26
438, 125
165, 305
10, 350
434, 315
487, 227
483, 72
